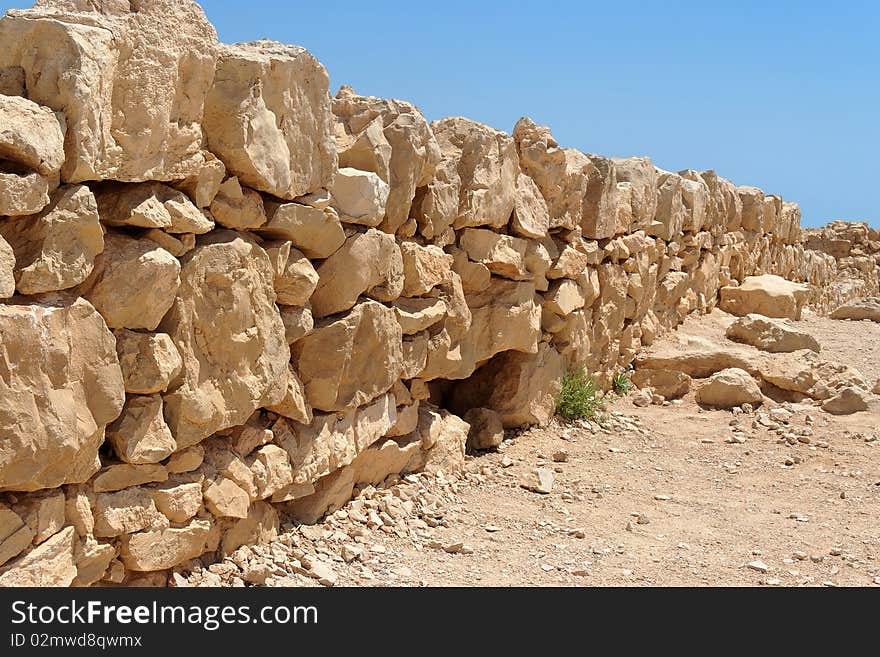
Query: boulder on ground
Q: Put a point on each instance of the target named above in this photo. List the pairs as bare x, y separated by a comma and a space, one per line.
868, 308
768, 295
697, 357
849, 400
729, 388
669, 384
771, 334
487, 430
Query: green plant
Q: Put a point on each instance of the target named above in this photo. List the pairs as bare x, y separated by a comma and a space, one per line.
579, 397
621, 383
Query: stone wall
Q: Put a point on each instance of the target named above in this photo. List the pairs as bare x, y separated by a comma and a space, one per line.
228, 296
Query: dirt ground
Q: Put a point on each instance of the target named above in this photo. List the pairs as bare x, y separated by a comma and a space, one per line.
658, 496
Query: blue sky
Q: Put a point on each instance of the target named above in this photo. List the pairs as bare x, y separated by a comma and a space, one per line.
781, 95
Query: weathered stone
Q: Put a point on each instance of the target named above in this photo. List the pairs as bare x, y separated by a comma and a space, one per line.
233, 362
729, 388
769, 334
140, 435
503, 317
149, 361
564, 297
49, 564
640, 176
669, 384
92, 560
359, 197
423, 267
316, 232
857, 310
176, 245
349, 361
203, 185
768, 295
294, 404
298, 322
752, 200
43, 513
57, 395
272, 470
295, 277
539, 480
698, 358
260, 527
267, 116
55, 249
238, 207
130, 79
178, 501
368, 263
530, 218
486, 429
15, 535
126, 475
7, 270
390, 138
186, 460
225, 499
32, 135
150, 205
503, 255
125, 512
849, 400
134, 282
164, 548
670, 215
22, 193
415, 315
487, 169
78, 510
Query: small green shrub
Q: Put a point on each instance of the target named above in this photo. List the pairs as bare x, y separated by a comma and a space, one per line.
579, 397
621, 384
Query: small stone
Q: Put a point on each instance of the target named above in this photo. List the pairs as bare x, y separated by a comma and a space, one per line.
539, 480
760, 566
560, 456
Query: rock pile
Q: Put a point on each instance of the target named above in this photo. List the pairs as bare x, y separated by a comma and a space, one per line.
228, 294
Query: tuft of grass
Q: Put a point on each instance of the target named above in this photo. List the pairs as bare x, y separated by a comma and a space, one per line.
621, 383
579, 397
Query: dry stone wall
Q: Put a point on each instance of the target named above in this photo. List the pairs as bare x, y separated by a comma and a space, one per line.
228, 296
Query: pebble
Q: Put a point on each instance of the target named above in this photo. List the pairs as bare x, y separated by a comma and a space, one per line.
561, 456
760, 566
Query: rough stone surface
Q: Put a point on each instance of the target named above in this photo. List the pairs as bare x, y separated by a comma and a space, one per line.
768, 295
31, 135
769, 334
729, 388
149, 361
861, 309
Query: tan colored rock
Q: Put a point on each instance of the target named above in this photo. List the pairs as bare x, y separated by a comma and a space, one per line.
55, 249
176, 245
238, 207
15, 535
698, 357
368, 263
729, 388
92, 560
435, 205
390, 138
131, 81
486, 430
415, 315
669, 384
7, 270
149, 361
186, 460
503, 255
531, 218
487, 169
423, 268
752, 200
126, 511
316, 232
57, 396
520, 387
640, 176
724, 207
359, 197
78, 510
203, 185
32, 135
225, 499
570, 263
271, 469
22, 193
298, 322
150, 205
233, 363
349, 361
125, 475
260, 527
140, 435
669, 218
49, 564
444, 436
768, 295
295, 277
868, 308
538, 480
134, 282
294, 404
43, 512
164, 548
564, 297
769, 334
178, 501
504, 316
334, 440
220, 457
849, 400
267, 116
475, 276
12, 81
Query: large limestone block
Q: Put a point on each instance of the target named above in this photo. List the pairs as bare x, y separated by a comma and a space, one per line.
530, 218
134, 282
502, 255
56, 249
140, 435
57, 395
237, 207
670, 384
30, 135
752, 208
164, 548
486, 430
359, 197
487, 166
50, 564
424, 267
698, 357
294, 404
415, 315
849, 400
503, 317
600, 205
314, 231
150, 205
669, 218
390, 138
868, 308
7, 269
149, 361
640, 175
694, 197
229, 333
15, 534
349, 361
43, 512
770, 334
295, 277
723, 207
520, 387
124, 512
729, 388
368, 263
131, 79
178, 501
768, 295
267, 117
22, 193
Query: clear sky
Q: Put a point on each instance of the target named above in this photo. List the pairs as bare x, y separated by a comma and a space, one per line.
782, 95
